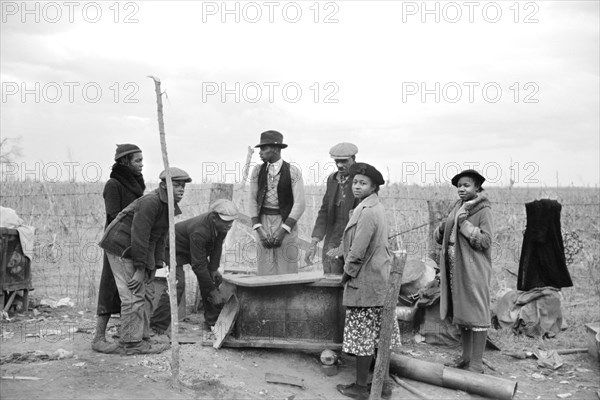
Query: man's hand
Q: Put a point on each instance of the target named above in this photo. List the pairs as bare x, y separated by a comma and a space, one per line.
216, 297
345, 278
136, 281
216, 277
264, 237
310, 253
278, 236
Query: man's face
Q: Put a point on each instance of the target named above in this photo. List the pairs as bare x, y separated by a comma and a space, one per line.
269, 154
343, 165
178, 189
222, 225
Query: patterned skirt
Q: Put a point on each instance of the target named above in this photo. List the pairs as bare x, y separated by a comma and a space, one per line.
361, 331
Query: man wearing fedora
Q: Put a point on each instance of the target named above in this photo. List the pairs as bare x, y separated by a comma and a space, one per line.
199, 242
334, 213
134, 243
276, 204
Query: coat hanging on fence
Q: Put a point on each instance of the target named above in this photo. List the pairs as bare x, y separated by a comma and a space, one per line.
543, 255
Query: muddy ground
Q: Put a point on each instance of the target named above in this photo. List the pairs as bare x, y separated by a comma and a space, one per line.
230, 373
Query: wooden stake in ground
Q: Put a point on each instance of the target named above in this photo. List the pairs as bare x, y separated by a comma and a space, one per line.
171, 281
388, 319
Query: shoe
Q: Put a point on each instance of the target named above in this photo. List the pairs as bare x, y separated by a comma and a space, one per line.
459, 363
160, 338
102, 346
353, 390
474, 369
386, 390
144, 347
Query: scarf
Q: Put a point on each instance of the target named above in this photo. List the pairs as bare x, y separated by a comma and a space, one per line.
134, 183
470, 207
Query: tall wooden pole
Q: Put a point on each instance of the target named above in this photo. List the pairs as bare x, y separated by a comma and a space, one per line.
171, 281
388, 319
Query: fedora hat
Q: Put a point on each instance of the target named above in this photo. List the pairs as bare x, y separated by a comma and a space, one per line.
271, 138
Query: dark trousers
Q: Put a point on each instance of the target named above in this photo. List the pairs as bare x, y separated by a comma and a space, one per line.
161, 318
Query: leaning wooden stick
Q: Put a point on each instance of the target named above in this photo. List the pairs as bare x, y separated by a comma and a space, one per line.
410, 388
388, 319
171, 281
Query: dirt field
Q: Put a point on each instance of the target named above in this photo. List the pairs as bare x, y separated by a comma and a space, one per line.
207, 373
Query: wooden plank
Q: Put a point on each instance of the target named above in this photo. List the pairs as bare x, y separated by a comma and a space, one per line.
226, 319
304, 345
286, 379
272, 280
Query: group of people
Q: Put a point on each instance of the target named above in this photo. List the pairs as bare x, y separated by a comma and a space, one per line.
135, 246
351, 221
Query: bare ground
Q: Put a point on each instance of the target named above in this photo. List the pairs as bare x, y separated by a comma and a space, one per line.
206, 373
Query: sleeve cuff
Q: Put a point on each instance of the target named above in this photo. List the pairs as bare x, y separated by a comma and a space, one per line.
467, 229
287, 228
290, 222
256, 226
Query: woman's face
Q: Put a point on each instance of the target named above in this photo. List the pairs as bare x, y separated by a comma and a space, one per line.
466, 188
136, 164
362, 186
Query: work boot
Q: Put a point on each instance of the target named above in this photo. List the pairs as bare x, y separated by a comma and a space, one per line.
355, 391
157, 336
144, 347
102, 346
459, 363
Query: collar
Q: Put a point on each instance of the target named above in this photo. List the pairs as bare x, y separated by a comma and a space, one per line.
341, 179
162, 195
277, 166
370, 201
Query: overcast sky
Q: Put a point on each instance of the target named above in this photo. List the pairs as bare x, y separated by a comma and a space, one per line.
421, 92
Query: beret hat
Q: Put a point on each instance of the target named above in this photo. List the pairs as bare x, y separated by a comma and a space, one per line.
367, 170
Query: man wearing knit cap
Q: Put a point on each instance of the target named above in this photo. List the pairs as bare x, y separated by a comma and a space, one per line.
199, 242
335, 209
134, 243
276, 204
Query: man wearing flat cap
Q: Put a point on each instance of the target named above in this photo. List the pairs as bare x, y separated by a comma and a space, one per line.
334, 213
276, 204
134, 243
199, 242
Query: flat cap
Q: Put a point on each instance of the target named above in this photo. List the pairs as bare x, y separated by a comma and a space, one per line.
125, 149
177, 174
477, 177
226, 209
343, 150
367, 170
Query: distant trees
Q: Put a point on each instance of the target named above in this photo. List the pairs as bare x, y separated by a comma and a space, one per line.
10, 149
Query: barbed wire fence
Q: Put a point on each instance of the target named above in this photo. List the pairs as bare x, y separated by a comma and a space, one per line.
69, 220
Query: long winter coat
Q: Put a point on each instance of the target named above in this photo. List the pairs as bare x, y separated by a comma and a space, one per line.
469, 304
366, 255
542, 260
120, 190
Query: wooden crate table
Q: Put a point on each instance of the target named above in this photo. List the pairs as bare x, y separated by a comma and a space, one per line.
300, 311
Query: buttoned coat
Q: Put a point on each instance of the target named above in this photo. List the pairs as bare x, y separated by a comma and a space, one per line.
366, 255
469, 300
326, 218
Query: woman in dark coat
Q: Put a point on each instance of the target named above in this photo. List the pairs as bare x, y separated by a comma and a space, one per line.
366, 278
466, 267
126, 184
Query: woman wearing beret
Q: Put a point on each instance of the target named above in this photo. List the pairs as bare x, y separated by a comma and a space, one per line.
366, 275
126, 184
466, 267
